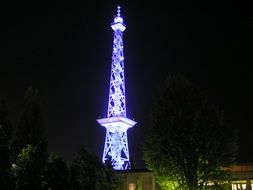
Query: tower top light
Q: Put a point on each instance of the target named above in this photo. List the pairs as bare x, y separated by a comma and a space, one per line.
118, 22
118, 11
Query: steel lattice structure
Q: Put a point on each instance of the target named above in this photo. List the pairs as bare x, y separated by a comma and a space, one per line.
116, 123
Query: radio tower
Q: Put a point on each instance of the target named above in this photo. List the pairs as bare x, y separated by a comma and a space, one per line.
116, 123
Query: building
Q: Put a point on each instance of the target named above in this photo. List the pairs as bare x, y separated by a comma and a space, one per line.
138, 179
143, 179
242, 176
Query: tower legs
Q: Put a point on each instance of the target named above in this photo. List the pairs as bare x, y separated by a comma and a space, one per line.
116, 149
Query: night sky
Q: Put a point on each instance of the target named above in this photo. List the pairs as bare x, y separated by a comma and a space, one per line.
64, 50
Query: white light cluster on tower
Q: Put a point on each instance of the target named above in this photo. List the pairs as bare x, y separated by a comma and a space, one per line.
116, 123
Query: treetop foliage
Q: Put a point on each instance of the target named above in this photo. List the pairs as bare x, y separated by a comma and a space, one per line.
27, 171
88, 172
189, 142
32, 168
30, 129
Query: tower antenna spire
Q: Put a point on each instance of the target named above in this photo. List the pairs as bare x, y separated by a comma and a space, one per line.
116, 123
118, 11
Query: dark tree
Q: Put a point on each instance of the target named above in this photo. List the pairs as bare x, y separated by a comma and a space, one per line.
5, 137
27, 171
88, 172
30, 128
85, 171
4, 118
5, 182
56, 173
189, 143
112, 180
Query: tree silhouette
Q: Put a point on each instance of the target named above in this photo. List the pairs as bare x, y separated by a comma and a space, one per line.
4, 118
5, 137
56, 173
28, 169
30, 129
189, 143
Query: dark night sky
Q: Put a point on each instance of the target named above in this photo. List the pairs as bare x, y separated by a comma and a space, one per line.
64, 50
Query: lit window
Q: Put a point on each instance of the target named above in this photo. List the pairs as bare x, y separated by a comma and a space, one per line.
131, 186
234, 187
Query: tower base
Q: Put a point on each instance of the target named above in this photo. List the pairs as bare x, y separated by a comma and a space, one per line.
116, 145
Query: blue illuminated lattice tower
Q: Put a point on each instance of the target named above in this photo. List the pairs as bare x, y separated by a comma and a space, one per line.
116, 123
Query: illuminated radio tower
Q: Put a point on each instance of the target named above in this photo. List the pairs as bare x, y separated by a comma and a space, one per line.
116, 123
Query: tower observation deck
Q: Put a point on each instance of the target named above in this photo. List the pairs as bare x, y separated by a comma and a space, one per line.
116, 123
